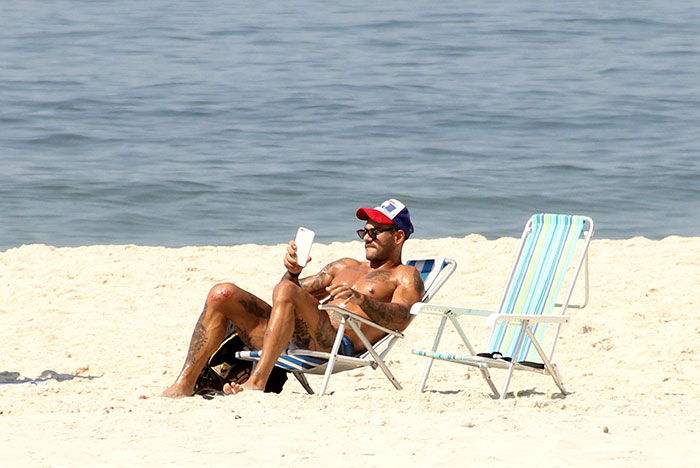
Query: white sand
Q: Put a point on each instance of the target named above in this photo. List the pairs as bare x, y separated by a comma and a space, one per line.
116, 321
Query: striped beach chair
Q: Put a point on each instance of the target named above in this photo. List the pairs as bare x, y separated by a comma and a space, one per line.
302, 361
532, 307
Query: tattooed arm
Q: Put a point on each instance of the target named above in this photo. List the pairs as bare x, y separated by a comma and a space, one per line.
395, 314
387, 314
316, 284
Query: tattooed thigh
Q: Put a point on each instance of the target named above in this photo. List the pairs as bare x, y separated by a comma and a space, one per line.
245, 338
325, 334
301, 337
252, 306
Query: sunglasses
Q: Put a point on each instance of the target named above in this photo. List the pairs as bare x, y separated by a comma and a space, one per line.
373, 232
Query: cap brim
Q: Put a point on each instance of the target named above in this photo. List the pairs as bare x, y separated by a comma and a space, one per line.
373, 215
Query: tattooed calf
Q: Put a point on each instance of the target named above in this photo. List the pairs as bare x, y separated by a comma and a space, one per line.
198, 339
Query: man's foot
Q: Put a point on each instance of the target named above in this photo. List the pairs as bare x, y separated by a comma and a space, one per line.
174, 391
233, 388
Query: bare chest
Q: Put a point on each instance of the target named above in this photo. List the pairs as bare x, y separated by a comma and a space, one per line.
378, 284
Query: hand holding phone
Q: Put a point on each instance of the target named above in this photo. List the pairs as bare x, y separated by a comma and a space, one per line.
304, 239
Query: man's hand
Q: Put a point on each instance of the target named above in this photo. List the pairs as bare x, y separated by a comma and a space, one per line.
290, 259
345, 293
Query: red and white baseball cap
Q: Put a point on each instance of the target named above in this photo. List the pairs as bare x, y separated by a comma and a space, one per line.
391, 211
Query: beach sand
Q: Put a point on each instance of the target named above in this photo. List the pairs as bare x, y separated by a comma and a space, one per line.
112, 323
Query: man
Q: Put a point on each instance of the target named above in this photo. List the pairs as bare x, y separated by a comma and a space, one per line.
381, 289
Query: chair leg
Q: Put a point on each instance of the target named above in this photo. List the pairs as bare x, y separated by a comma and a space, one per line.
334, 354
304, 382
551, 368
524, 329
506, 383
378, 359
487, 376
557, 379
429, 364
424, 380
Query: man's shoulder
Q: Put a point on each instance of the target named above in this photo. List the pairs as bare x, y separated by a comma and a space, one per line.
406, 269
411, 275
346, 262
407, 273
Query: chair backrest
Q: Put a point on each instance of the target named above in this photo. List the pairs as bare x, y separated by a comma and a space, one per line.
544, 256
434, 271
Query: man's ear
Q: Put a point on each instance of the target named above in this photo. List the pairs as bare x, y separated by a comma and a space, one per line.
400, 236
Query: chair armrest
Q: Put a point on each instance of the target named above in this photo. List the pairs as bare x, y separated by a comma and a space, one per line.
358, 318
491, 320
433, 309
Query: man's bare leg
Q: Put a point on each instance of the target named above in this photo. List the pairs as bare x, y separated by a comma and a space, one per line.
225, 301
294, 317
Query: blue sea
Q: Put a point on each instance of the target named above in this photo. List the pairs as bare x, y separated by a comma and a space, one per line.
220, 123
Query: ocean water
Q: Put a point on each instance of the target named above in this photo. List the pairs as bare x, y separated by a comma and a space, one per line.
188, 123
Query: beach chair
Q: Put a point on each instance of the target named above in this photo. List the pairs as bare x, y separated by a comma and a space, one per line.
301, 361
531, 310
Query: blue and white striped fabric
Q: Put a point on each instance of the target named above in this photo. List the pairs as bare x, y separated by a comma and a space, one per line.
291, 362
537, 280
429, 270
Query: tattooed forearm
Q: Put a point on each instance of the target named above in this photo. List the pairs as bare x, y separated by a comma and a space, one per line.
198, 339
316, 282
387, 314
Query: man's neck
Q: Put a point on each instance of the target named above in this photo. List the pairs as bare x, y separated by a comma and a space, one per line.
385, 264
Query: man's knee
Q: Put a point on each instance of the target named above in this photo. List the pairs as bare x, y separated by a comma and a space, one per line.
285, 291
223, 292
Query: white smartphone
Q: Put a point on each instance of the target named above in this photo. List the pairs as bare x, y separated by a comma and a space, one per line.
304, 239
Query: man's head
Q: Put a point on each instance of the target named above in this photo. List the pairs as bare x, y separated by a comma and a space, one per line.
391, 211
387, 227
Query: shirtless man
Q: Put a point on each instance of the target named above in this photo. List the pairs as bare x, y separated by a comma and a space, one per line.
381, 289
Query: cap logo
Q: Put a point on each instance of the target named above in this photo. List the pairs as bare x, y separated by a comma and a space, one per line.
388, 206
391, 208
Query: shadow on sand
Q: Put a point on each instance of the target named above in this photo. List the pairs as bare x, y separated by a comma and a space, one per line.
14, 378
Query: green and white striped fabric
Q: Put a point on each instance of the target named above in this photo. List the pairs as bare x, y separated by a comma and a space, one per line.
537, 280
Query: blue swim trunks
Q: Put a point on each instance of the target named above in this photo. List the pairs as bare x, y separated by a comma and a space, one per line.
347, 348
